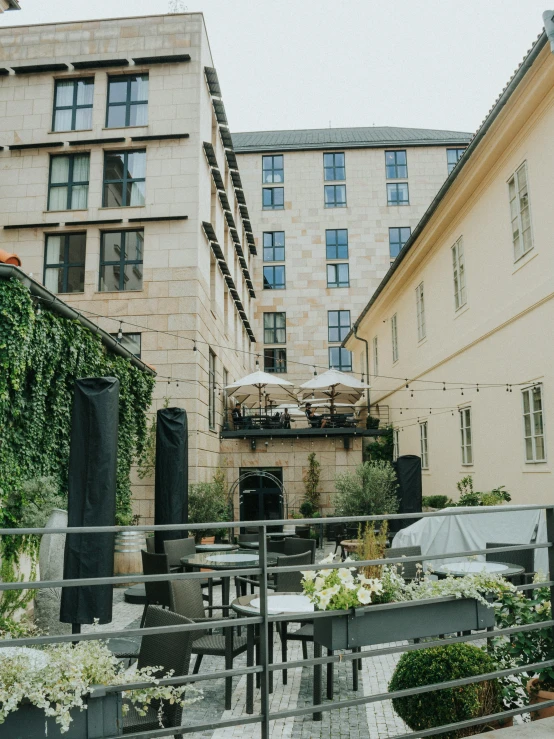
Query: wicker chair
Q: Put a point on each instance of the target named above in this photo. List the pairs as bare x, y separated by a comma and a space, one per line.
248, 537
157, 593
523, 558
299, 546
290, 582
170, 652
409, 569
151, 544
186, 599
177, 548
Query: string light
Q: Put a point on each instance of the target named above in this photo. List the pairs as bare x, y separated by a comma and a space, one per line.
194, 349
120, 332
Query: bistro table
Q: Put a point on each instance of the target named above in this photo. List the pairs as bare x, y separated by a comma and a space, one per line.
216, 547
238, 560
472, 567
350, 545
271, 535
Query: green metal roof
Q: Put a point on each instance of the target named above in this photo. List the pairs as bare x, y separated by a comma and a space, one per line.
345, 138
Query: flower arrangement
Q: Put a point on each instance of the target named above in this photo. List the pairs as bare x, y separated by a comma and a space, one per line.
58, 679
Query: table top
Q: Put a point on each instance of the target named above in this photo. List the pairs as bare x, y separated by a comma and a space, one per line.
277, 603
350, 543
232, 561
471, 567
216, 547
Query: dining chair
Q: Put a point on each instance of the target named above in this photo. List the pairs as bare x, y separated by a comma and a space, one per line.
299, 546
157, 593
151, 544
409, 569
522, 558
177, 548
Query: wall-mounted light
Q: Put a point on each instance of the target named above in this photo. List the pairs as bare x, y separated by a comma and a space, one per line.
253, 444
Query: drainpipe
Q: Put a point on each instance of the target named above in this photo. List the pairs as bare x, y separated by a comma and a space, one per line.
366, 361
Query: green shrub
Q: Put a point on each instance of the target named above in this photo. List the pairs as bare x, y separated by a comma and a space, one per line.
436, 501
468, 497
369, 491
380, 447
208, 504
449, 705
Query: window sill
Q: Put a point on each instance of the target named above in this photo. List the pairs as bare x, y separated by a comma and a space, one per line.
461, 311
67, 210
118, 207
524, 260
397, 205
535, 467
72, 130
123, 128
267, 208
118, 292
332, 207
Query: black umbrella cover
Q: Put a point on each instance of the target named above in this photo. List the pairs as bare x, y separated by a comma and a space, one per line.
171, 486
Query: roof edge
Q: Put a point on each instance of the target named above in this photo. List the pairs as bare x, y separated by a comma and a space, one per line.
347, 145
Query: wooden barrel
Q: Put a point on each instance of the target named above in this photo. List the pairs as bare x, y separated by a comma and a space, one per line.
127, 557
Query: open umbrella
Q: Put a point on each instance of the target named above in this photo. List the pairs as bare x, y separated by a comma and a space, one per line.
258, 383
336, 386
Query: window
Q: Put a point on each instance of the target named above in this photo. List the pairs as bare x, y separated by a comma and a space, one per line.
396, 165
423, 443
458, 265
274, 278
420, 307
274, 246
275, 360
273, 172
336, 241
533, 425
211, 390
127, 101
335, 196
224, 396
395, 445
333, 166
394, 337
131, 342
338, 324
340, 359
519, 212
397, 193
273, 198
275, 328
121, 260
64, 263
68, 188
124, 178
397, 239
338, 275
375, 349
73, 105
465, 429
453, 157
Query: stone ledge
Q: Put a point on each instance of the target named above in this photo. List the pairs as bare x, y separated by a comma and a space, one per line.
542, 729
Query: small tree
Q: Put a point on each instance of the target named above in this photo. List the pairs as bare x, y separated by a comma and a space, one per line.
311, 479
369, 491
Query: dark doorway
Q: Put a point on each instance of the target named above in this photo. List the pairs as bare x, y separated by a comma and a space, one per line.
260, 496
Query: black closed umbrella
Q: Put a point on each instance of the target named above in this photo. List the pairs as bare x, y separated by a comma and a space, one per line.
171, 484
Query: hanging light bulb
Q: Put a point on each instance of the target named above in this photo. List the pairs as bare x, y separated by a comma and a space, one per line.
407, 385
257, 362
315, 371
194, 347
120, 332
477, 387
444, 385
38, 309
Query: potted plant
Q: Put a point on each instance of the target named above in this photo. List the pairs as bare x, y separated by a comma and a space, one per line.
369, 491
207, 503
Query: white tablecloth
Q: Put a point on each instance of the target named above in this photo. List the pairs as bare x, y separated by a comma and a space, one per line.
461, 532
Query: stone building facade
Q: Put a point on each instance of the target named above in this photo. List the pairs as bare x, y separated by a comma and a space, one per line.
9, 5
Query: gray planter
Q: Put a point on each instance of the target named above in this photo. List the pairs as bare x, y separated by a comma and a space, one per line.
418, 619
102, 718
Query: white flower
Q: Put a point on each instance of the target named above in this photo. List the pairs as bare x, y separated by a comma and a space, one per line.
327, 560
345, 576
364, 596
349, 559
319, 582
325, 573
324, 598
309, 575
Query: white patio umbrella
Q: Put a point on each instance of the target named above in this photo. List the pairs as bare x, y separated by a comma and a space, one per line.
258, 383
336, 386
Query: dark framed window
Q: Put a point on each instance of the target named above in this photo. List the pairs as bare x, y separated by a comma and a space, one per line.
275, 360
397, 193
274, 278
453, 157
396, 165
68, 185
274, 246
275, 328
211, 390
333, 166
127, 101
335, 196
336, 242
338, 324
273, 172
273, 198
397, 239
131, 342
340, 359
73, 105
338, 275
121, 256
124, 178
64, 262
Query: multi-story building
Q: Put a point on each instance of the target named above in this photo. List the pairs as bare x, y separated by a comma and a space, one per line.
463, 319
9, 5
330, 209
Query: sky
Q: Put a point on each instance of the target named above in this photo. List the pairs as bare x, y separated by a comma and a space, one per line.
286, 64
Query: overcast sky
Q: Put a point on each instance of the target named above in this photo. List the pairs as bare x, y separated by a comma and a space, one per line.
287, 64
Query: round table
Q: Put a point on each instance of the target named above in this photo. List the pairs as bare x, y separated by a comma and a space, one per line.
472, 567
350, 545
216, 547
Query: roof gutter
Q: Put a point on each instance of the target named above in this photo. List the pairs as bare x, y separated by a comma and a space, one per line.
53, 303
479, 136
261, 148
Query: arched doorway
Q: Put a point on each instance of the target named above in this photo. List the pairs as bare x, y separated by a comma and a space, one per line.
261, 494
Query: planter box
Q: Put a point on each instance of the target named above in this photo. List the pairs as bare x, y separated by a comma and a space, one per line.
418, 619
102, 718
537, 697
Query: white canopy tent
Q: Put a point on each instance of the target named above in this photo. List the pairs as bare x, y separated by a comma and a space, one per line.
336, 386
258, 384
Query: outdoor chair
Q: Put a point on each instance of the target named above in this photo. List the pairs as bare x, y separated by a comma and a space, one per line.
248, 537
299, 546
151, 544
170, 652
409, 569
523, 558
276, 546
186, 599
157, 593
177, 548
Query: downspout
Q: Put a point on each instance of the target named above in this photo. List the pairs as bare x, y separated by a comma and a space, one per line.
366, 362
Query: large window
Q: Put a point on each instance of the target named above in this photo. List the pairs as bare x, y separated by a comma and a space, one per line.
338, 324
275, 328
68, 188
338, 275
335, 196
274, 278
375, 350
336, 242
275, 360
465, 430
73, 105
459, 273
396, 165
121, 254
397, 239
424, 445
273, 172
127, 101
420, 309
124, 178
533, 424
394, 337
453, 157
274, 246
340, 359
211, 390
131, 342
522, 237
397, 193
273, 198
333, 166
64, 263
